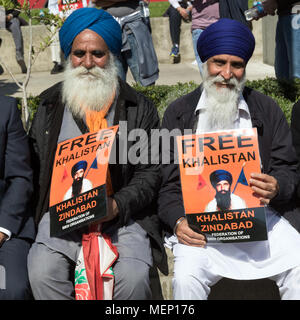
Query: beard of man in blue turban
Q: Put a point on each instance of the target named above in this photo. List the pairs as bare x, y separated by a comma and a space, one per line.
221, 180
225, 47
89, 39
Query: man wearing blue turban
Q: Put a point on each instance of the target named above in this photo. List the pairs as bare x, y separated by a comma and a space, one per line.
80, 184
223, 102
221, 180
91, 98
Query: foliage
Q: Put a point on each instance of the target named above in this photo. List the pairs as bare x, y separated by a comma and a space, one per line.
283, 92
157, 9
44, 18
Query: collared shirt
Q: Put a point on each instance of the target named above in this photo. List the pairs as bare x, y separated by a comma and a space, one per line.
243, 118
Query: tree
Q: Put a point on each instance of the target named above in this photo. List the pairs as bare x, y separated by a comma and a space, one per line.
44, 18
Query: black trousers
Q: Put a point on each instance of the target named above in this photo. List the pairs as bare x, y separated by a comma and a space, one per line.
175, 25
14, 281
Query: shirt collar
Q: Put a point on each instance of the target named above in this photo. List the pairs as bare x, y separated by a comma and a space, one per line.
242, 105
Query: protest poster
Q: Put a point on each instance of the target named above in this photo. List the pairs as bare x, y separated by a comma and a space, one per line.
78, 193
215, 169
65, 5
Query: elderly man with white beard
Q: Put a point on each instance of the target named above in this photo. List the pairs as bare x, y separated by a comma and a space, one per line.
223, 102
90, 98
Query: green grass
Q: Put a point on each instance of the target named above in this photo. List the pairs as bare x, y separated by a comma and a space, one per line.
157, 9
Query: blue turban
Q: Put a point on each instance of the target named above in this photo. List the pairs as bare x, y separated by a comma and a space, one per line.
77, 166
93, 19
220, 175
226, 36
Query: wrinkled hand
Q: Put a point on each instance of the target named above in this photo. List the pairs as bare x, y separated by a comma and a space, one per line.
189, 237
112, 210
264, 186
3, 237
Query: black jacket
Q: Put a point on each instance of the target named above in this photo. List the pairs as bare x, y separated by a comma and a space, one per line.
234, 9
15, 173
135, 186
275, 144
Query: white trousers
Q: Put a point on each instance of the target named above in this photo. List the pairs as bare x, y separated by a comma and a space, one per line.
192, 283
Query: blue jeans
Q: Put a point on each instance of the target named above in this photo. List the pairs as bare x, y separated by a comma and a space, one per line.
129, 58
287, 52
195, 36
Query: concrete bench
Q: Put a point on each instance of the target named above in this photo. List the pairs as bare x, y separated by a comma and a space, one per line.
160, 35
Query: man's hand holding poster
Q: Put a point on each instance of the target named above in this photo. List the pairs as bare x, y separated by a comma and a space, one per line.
78, 193
215, 171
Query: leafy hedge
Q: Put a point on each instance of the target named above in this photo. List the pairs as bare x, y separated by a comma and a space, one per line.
283, 92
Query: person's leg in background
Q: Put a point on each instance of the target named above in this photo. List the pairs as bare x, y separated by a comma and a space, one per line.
129, 58
175, 30
292, 34
55, 52
281, 64
195, 36
14, 27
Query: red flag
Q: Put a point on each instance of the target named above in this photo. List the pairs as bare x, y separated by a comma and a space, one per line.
201, 182
65, 175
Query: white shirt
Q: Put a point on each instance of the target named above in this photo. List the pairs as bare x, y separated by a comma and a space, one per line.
86, 186
176, 3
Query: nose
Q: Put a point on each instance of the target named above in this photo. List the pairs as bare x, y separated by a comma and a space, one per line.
88, 61
226, 72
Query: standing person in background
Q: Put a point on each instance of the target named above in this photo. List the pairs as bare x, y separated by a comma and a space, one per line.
137, 52
204, 13
234, 9
178, 10
287, 57
63, 8
13, 26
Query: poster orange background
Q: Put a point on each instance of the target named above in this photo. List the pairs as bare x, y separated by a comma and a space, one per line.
62, 178
195, 199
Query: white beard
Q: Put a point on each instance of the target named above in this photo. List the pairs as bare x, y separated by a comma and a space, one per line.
91, 89
221, 103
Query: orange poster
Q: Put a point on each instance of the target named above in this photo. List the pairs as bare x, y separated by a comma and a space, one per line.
78, 185
215, 169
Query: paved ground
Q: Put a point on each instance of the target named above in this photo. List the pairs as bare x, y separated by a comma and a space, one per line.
169, 74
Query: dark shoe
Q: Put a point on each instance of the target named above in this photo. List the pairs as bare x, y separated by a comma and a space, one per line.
57, 68
0, 42
22, 65
175, 52
176, 59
